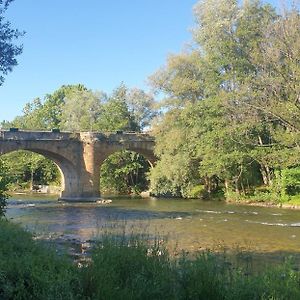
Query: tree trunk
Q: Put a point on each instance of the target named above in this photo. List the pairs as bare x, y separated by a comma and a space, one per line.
264, 174
31, 180
226, 183
269, 175
207, 184
264, 169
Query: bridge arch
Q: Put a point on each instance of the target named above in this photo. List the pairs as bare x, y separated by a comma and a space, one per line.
69, 178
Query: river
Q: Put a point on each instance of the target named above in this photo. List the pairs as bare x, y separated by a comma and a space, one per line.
188, 224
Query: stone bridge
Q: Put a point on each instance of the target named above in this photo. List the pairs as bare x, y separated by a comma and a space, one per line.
78, 155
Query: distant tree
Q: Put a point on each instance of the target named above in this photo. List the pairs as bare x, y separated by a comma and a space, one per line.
32, 117
142, 106
115, 114
54, 104
8, 50
81, 110
48, 113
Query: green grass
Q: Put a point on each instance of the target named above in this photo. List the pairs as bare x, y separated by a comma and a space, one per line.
132, 267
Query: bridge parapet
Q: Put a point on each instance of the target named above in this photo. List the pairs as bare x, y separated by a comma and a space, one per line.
23, 135
118, 137
81, 136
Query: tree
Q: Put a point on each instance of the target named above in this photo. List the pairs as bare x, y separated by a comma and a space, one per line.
277, 84
124, 171
142, 107
115, 114
81, 111
24, 169
232, 100
181, 80
32, 117
8, 50
54, 104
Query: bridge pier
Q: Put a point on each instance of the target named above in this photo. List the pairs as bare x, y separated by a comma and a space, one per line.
84, 186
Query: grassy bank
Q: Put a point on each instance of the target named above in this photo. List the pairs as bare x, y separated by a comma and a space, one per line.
131, 268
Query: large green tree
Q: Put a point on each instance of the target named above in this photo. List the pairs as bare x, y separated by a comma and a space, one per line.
231, 101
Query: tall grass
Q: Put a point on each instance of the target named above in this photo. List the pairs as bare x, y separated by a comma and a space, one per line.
127, 266
30, 270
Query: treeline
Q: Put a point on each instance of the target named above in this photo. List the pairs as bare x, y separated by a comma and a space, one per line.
76, 108
233, 106
229, 122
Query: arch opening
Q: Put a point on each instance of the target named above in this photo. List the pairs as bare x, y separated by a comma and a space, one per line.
124, 172
40, 170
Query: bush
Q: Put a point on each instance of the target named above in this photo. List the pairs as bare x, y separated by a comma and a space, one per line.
286, 184
264, 196
198, 191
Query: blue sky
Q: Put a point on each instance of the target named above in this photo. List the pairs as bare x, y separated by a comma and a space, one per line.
98, 43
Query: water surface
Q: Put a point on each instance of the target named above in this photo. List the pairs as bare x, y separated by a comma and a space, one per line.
190, 224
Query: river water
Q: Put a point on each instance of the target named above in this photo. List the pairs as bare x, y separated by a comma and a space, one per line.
188, 224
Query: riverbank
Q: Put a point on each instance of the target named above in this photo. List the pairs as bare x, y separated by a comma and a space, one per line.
266, 204
54, 191
130, 267
260, 200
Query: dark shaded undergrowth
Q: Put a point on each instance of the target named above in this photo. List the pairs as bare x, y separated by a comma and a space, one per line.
131, 268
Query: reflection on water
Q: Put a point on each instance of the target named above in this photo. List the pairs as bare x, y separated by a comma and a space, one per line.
191, 224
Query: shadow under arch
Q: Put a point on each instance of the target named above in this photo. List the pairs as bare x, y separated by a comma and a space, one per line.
69, 177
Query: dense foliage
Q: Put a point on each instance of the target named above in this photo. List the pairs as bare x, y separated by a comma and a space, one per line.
26, 170
8, 50
232, 121
124, 173
129, 267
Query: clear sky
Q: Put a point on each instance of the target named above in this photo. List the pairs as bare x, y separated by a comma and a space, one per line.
98, 43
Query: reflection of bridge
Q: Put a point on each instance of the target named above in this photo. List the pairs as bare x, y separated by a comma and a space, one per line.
77, 155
